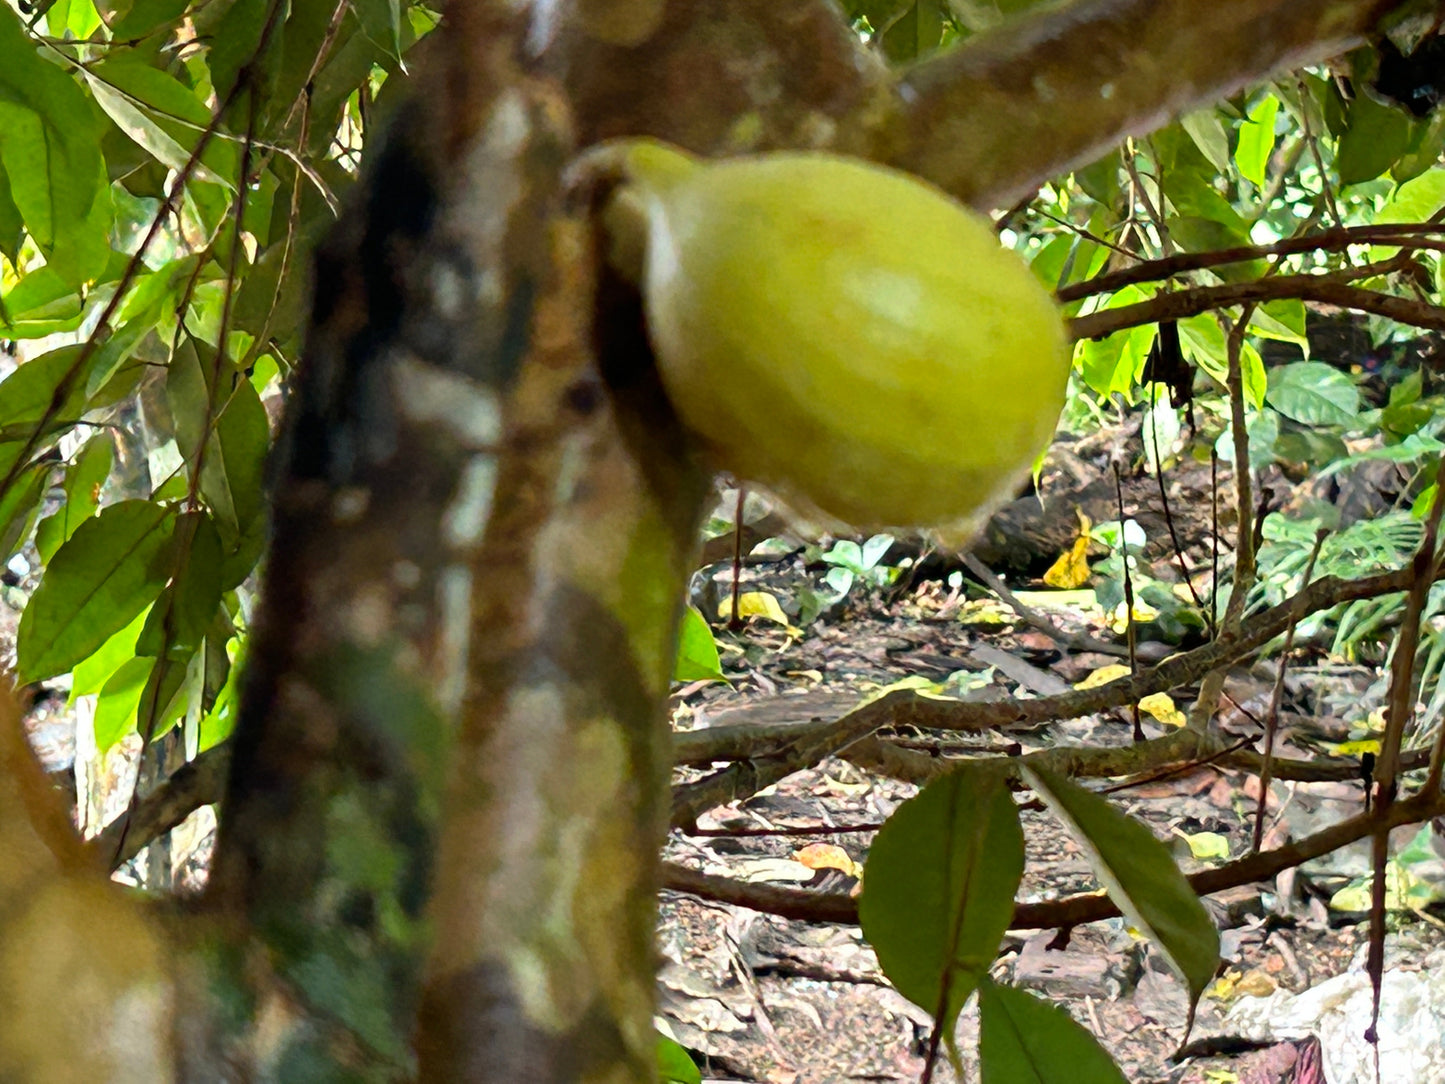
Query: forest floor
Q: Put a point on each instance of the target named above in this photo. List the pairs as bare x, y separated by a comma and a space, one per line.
760, 998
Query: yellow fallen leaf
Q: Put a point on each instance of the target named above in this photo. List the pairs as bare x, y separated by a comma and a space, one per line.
1222, 988
1103, 675
828, 856
1082, 599
1161, 707
1072, 568
755, 604
985, 611
1256, 983
1205, 845
1119, 621
1356, 748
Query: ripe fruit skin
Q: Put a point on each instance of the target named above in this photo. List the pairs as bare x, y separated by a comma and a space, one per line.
845, 334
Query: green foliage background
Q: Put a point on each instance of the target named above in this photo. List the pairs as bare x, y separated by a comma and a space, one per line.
167, 165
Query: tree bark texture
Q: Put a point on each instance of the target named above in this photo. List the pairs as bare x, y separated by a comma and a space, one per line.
447, 791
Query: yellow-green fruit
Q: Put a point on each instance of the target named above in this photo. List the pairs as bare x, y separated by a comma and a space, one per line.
845, 333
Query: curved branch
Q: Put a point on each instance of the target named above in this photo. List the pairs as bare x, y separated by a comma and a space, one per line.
805, 906
1412, 235
198, 783
1185, 303
993, 120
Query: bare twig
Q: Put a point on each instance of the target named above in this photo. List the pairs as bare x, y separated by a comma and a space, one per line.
805, 906
1243, 479
1416, 235
1185, 303
1129, 626
1401, 710
1071, 640
1271, 720
1168, 514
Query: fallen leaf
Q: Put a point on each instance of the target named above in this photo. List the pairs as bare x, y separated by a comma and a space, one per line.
828, 856
1161, 707
1103, 675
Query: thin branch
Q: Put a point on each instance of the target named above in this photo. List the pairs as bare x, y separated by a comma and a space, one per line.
1186, 303
134, 264
805, 906
1130, 628
1401, 709
905, 708
1424, 568
1271, 720
1074, 641
1060, 86
198, 783
1416, 235
1243, 480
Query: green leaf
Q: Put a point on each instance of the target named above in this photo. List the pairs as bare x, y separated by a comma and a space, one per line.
50, 147
233, 464
1424, 150
220, 722
116, 705
675, 1065
12, 225
186, 608
914, 34
1313, 393
90, 675
158, 111
145, 16
237, 34
111, 569
1377, 135
163, 700
144, 129
1256, 141
1024, 1040
1417, 200
1140, 875
1113, 363
939, 888
40, 304
49, 389
381, 22
1207, 131
697, 658
233, 474
1100, 179
1283, 320
19, 505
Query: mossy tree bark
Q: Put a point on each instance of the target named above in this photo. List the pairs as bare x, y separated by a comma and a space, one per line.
448, 790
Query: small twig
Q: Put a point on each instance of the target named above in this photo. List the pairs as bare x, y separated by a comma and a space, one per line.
1331, 240
1401, 710
1402, 687
1314, 146
735, 620
1131, 631
1271, 719
1213, 542
1182, 304
1243, 479
1031, 617
1168, 515
809, 906
820, 830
